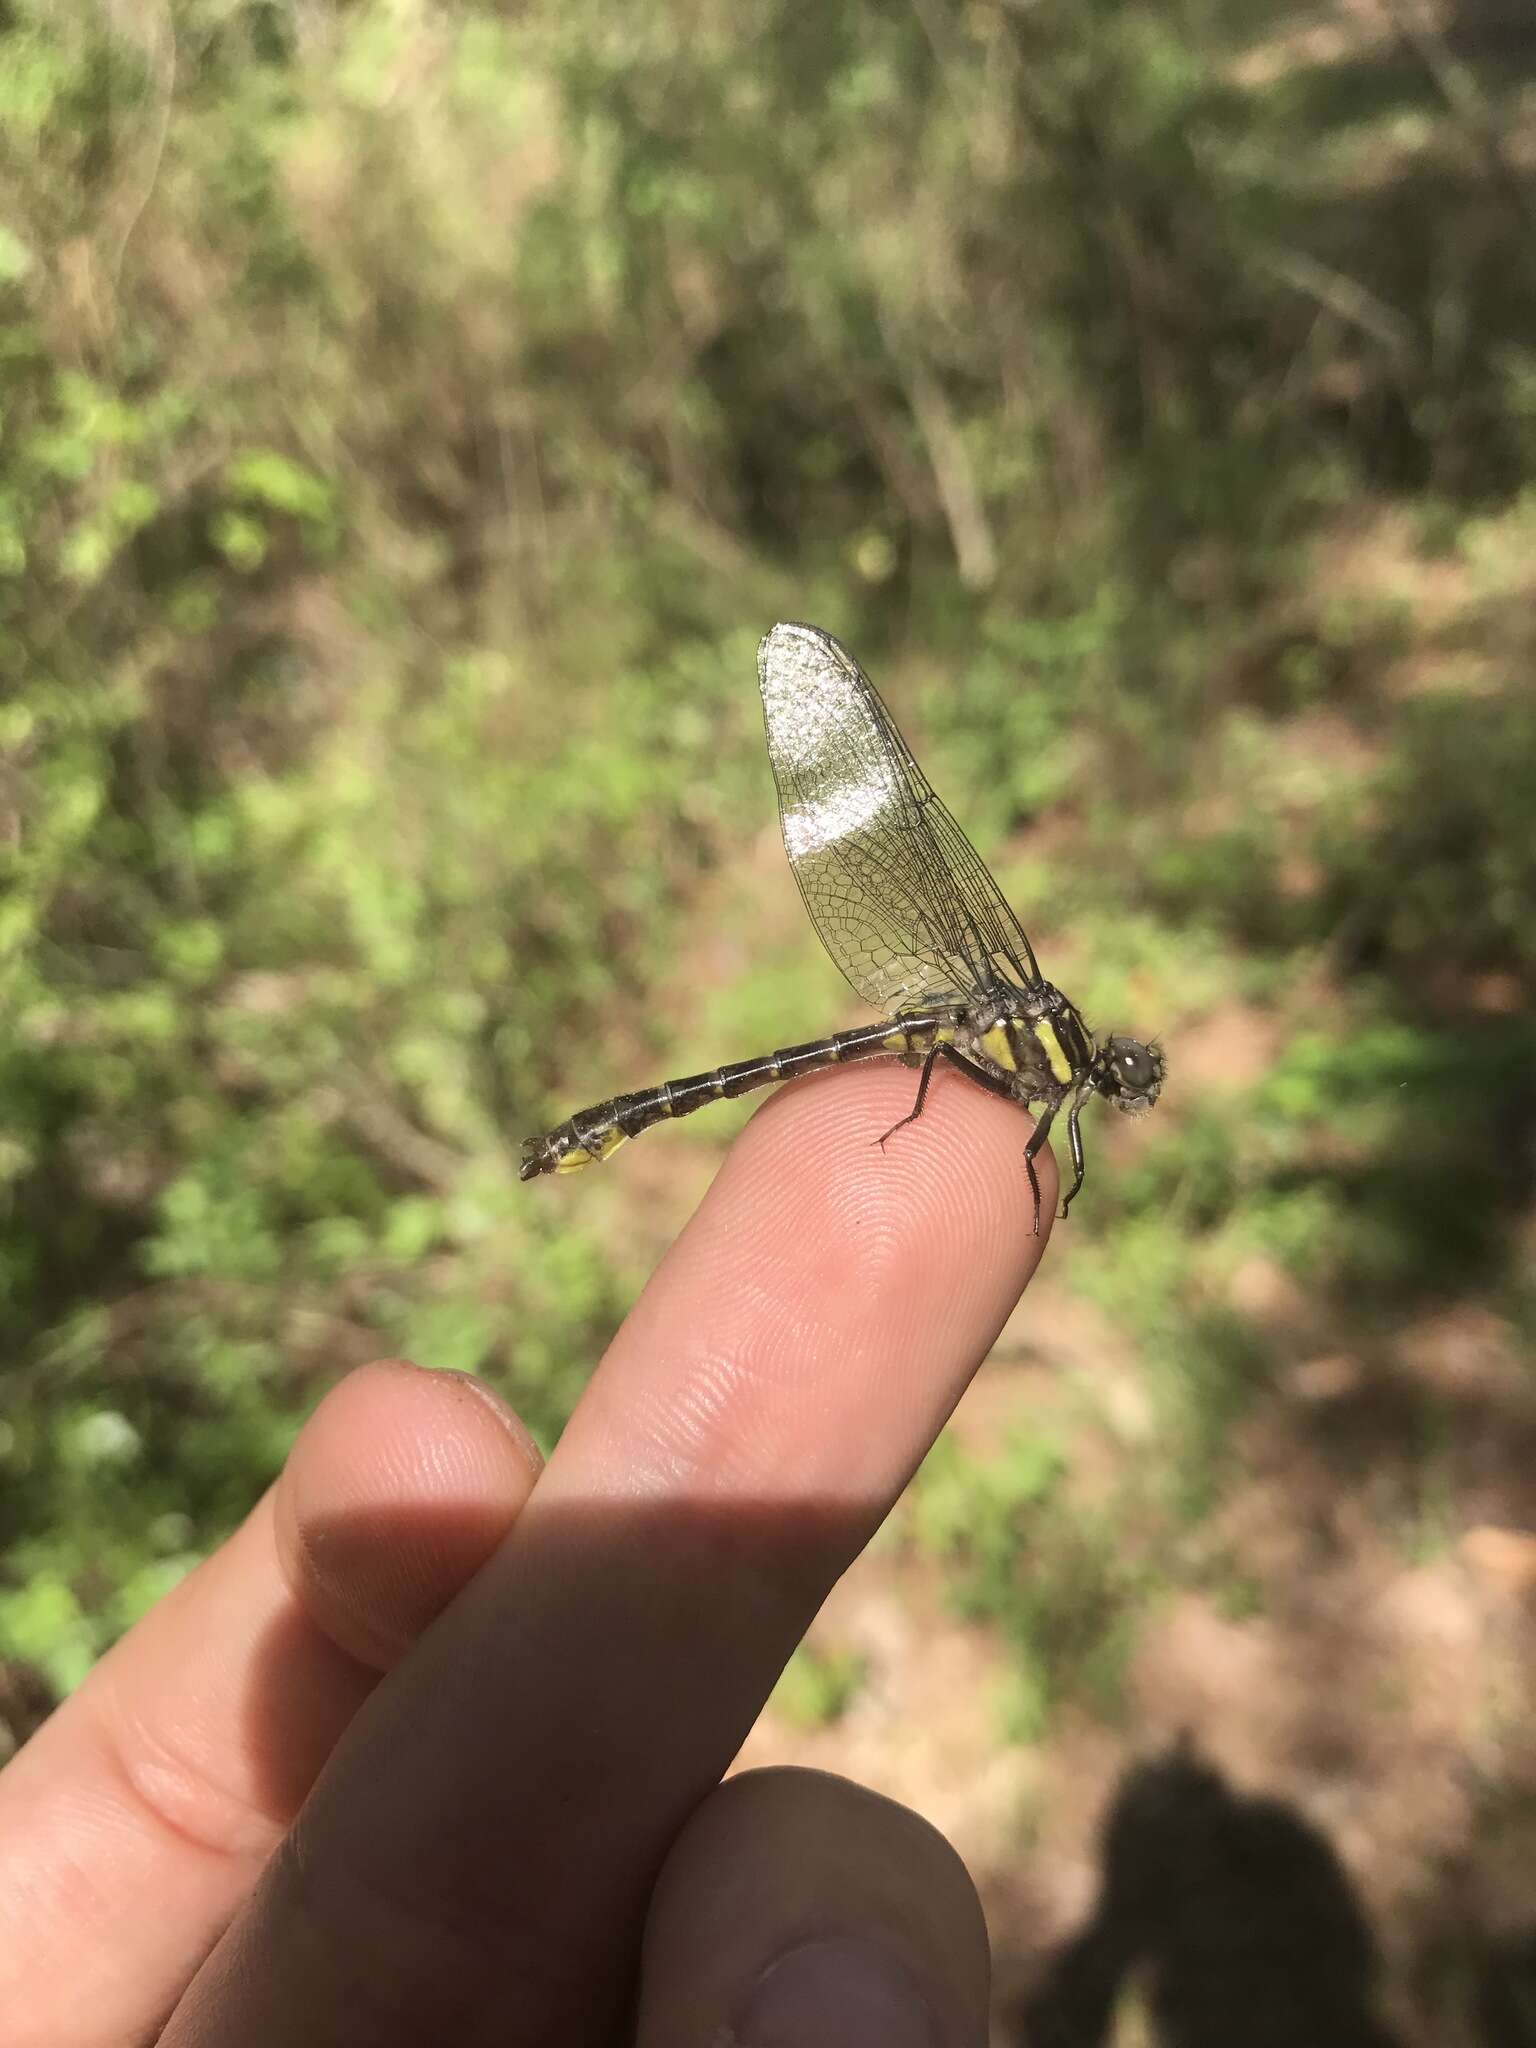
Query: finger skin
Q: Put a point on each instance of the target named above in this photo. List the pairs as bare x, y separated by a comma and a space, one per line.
777, 1859
137, 1818
401, 1485
479, 1853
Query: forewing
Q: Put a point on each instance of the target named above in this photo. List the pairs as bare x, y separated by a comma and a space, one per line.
896, 890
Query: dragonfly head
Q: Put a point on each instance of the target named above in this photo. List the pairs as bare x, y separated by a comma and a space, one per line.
1129, 1074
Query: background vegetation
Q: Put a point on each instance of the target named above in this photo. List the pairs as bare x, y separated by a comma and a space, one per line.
410, 415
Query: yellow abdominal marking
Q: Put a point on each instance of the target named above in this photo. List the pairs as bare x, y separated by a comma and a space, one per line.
944, 1034
996, 1045
897, 1041
591, 1155
1056, 1059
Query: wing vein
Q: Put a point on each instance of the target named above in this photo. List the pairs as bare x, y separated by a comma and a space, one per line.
901, 899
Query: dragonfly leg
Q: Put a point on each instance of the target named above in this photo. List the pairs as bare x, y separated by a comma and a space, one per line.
1037, 1138
941, 1049
1075, 1145
916, 1110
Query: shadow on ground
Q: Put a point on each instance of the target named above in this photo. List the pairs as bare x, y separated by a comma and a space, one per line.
1231, 1917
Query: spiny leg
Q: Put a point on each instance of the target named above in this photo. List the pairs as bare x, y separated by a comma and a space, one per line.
1075, 1145
1037, 1141
922, 1092
941, 1049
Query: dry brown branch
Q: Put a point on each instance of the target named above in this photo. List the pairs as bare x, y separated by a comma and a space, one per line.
1345, 297
953, 476
1469, 105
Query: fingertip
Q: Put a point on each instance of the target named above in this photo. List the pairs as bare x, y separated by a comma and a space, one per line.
783, 1868
820, 1315
963, 1156
937, 1221
397, 1490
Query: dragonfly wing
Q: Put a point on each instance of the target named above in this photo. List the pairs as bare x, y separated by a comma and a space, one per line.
901, 899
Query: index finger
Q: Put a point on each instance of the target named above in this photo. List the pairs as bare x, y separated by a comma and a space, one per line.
482, 1845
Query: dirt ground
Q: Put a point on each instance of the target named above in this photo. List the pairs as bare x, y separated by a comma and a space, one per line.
1314, 1822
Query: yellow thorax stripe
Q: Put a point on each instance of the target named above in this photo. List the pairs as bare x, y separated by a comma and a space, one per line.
997, 1045
1055, 1057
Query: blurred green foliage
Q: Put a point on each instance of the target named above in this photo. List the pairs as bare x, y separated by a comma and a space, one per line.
818, 1686
409, 418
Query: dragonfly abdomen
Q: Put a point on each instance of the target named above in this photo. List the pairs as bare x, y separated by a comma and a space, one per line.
594, 1134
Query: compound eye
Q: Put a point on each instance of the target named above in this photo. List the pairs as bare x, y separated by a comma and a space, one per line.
1133, 1066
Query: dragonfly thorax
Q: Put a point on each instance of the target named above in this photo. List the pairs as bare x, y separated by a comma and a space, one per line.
1035, 1038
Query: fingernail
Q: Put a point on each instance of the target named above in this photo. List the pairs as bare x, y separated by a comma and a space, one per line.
837, 1994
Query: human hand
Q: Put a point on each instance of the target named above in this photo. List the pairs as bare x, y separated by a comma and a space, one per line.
430, 1751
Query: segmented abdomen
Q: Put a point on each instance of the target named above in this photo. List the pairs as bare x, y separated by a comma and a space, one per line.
594, 1134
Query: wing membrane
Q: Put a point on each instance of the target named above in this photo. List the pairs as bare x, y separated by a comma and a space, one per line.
897, 892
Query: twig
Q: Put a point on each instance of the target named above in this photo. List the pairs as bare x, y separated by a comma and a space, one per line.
1345, 297
969, 527
1459, 88
378, 1123
162, 57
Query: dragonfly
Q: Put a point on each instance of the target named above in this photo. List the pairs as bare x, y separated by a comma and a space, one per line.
914, 921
